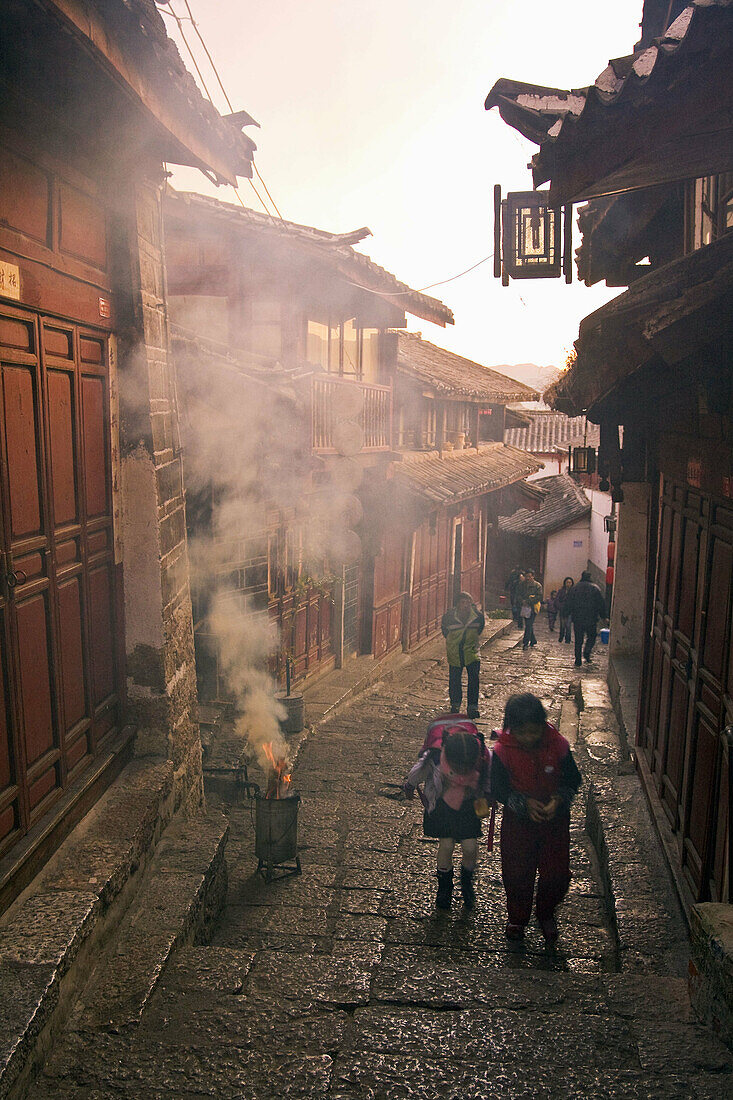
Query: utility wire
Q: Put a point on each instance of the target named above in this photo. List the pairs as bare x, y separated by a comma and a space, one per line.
190, 19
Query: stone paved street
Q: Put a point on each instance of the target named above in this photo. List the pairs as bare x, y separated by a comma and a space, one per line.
344, 982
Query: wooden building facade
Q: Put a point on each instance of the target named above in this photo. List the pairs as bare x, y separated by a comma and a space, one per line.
300, 321
651, 145
90, 470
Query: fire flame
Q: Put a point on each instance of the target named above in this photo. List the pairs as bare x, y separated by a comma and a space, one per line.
278, 780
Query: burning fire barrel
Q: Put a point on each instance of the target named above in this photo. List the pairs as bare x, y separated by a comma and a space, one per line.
276, 835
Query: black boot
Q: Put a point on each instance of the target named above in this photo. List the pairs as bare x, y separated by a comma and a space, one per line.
469, 894
445, 889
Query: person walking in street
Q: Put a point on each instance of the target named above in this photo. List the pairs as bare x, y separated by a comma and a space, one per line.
514, 580
534, 775
585, 605
530, 595
552, 609
462, 626
455, 775
562, 596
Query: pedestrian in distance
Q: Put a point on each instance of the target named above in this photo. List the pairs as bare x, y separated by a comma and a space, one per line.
530, 594
453, 767
513, 582
562, 596
534, 775
585, 605
552, 609
462, 626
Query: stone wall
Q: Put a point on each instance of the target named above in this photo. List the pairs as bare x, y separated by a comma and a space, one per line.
161, 671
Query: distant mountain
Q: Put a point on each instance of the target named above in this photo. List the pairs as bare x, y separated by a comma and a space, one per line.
539, 378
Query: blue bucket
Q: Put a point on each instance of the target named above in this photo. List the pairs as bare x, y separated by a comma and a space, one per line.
605, 635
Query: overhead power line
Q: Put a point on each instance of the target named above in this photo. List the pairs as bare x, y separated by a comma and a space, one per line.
166, 7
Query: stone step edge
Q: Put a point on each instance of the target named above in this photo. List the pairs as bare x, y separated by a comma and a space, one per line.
178, 903
607, 826
51, 933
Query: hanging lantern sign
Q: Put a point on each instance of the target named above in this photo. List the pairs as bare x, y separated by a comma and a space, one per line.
582, 460
528, 237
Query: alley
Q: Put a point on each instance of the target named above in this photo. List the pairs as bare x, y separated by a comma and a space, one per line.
344, 981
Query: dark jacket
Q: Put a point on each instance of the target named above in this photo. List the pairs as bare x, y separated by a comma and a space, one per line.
584, 604
462, 645
512, 582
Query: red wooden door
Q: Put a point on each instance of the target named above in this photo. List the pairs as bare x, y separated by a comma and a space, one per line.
690, 680
60, 681
705, 818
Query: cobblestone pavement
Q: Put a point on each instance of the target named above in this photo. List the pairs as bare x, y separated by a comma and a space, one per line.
345, 982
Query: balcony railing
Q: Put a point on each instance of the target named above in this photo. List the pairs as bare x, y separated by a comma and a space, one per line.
351, 417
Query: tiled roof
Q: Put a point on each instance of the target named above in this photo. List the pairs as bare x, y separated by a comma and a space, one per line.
334, 248
449, 373
564, 503
462, 474
549, 116
551, 431
139, 26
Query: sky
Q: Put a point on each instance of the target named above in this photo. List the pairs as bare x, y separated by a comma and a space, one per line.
372, 113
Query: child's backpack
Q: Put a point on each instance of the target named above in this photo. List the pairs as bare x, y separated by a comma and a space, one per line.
434, 742
437, 730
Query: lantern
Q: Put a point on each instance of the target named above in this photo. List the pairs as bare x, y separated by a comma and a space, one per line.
582, 460
528, 237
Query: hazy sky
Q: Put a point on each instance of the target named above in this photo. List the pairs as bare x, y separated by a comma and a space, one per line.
372, 114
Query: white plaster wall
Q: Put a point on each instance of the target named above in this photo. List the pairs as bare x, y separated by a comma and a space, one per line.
554, 465
600, 508
564, 558
629, 589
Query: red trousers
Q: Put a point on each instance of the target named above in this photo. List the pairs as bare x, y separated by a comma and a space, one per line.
529, 849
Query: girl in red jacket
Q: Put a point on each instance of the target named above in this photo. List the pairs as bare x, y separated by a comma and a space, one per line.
534, 775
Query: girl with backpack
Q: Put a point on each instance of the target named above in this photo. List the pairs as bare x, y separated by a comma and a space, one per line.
534, 775
454, 767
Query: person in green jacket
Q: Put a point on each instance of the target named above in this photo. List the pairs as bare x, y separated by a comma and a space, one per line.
461, 627
530, 595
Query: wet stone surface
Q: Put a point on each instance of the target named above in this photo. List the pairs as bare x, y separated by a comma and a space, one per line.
344, 982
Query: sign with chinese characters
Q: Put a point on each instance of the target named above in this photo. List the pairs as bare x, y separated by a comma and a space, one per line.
694, 472
728, 487
577, 543
105, 308
9, 281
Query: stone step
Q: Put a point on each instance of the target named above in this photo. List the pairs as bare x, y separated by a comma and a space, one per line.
182, 895
49, 934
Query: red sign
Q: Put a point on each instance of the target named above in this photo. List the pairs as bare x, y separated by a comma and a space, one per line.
694, 472
105, 308
728, 487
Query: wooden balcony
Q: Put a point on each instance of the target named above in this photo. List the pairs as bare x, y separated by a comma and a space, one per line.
350, 417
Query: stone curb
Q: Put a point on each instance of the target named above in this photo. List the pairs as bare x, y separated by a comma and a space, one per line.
641, 903
53, 931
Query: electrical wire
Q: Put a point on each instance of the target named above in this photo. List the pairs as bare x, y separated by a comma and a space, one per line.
422, 289
190, 19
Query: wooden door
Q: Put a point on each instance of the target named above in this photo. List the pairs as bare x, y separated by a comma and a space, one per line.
690, 680
705, 818
60, 680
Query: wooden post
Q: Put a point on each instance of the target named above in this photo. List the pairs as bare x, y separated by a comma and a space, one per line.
440, 426
475, 426
407, 607
338, 619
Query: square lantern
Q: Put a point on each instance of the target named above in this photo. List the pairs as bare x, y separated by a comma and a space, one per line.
528, 237
532, 247
582, 460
